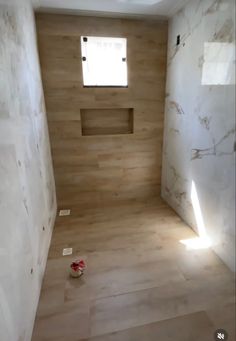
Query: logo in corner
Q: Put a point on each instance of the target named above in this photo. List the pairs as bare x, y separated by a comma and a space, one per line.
221, 335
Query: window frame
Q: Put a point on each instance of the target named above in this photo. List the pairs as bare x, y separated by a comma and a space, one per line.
126, 61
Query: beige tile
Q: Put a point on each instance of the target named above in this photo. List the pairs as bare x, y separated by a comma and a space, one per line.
156, 304
60, 56
126, 279
140, 280
51, 299
192, 327
70, 322
224, 317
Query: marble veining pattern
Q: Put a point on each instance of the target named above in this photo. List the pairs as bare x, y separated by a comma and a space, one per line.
27, 190
199, 136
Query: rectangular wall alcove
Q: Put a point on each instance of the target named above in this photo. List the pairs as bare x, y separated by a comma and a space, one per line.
106, 121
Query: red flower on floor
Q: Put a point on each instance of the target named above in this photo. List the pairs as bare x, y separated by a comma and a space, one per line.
78, 265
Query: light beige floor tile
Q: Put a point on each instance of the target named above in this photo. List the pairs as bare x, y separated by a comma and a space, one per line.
140, 280
193, 327
125, 279
169, 301
70, 322
224, 317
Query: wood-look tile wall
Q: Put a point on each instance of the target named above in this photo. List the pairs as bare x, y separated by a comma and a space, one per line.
99, 169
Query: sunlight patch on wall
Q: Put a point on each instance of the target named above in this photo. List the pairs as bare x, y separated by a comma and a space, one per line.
219, 64
201, 242
197, 211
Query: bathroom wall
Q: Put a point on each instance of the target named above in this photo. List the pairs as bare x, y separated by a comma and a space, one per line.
104, 169
27, 193
198, 178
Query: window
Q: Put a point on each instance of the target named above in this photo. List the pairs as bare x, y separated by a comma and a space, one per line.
104, 61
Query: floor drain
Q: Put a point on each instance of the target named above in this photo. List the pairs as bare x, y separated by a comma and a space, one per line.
64, 213
67, 252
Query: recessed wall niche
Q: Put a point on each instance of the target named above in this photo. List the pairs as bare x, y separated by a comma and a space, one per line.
106, 121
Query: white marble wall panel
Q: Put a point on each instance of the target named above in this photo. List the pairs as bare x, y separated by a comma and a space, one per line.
27, 191
199, 136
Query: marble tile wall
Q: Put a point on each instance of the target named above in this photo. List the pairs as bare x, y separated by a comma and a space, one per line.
198, 176
27, 192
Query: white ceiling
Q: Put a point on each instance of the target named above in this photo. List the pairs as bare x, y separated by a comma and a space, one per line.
140, 8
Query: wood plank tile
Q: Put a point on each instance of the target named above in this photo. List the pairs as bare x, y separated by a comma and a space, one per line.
192, 327
60, 55
69, 322
138, 308
140, 280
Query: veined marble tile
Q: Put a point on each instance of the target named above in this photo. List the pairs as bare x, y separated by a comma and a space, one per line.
199, 131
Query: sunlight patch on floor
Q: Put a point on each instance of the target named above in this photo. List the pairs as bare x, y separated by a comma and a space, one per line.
196, 243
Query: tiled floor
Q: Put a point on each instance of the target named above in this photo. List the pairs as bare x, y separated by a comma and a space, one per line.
141, 283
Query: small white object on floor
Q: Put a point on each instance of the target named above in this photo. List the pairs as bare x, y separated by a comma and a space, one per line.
63, 213
67, 252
